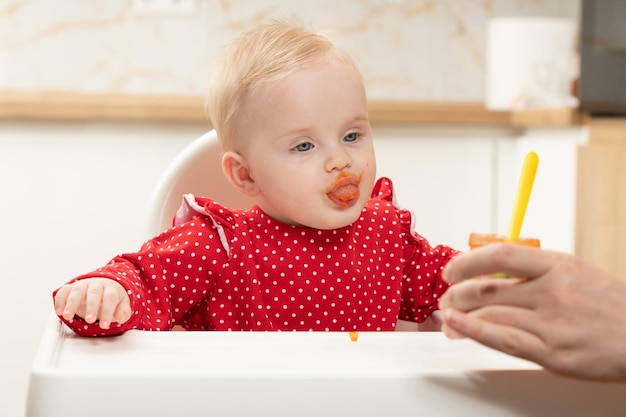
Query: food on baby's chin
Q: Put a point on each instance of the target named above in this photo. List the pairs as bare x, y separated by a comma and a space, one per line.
354, 336
477, 240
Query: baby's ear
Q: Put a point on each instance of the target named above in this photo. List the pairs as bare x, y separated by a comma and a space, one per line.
237, 171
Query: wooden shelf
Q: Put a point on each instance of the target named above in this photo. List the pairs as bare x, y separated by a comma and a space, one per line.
440, 113
110, 107
561, 117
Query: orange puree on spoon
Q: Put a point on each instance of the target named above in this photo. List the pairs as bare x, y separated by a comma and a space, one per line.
345, 190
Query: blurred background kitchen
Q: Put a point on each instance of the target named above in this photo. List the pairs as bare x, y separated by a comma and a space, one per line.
97, 97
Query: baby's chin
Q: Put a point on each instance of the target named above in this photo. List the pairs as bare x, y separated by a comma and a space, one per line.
336, 220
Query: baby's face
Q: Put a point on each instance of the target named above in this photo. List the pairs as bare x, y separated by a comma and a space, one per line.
309, 146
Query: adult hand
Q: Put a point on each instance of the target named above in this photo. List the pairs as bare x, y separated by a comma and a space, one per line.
564, 314
93, 299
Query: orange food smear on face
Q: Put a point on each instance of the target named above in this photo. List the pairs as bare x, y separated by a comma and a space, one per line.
342, 177
345, 188
346, 194
354, 336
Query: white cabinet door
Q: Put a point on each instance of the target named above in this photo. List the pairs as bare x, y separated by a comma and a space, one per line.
551, 211
444, 175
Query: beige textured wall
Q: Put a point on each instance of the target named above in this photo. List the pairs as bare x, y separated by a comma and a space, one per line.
412, 49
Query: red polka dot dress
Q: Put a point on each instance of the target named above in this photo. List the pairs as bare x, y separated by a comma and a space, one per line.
231, 269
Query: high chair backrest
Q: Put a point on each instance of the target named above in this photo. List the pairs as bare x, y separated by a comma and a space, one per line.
197, 169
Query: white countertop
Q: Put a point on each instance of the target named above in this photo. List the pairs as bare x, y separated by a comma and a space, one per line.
298, 373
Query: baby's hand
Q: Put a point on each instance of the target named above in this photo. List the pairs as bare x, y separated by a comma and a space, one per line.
93, 299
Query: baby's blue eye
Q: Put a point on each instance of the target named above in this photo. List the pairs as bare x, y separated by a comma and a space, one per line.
304, 146
351, 137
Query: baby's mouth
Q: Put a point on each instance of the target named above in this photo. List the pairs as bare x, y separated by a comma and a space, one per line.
345, 190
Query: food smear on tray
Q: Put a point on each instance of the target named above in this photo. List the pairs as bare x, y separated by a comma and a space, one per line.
354, 336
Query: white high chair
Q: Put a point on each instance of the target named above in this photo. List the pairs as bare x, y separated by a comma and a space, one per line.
197, 169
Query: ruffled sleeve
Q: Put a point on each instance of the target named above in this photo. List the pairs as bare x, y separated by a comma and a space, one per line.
222, 218
383, 190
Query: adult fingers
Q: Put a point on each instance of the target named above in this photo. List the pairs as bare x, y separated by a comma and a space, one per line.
510, 340
524, 319
510, 259
472, 294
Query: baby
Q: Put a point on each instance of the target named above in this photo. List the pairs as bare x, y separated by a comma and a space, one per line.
323, 248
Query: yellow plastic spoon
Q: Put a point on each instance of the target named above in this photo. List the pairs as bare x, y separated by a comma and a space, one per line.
527, 178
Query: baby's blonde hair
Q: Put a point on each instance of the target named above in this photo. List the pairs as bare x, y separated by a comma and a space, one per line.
273, 49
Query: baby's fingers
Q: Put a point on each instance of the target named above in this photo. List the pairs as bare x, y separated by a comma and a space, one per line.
115, 306
60, 300
123, 311
74, 300
93, 301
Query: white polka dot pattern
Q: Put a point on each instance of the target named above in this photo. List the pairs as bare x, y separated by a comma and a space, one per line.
280, 277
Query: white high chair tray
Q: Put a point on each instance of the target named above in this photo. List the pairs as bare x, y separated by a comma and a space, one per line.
298, 374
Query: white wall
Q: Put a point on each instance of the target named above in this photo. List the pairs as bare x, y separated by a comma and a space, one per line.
444, 175
75, 194
425, 51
